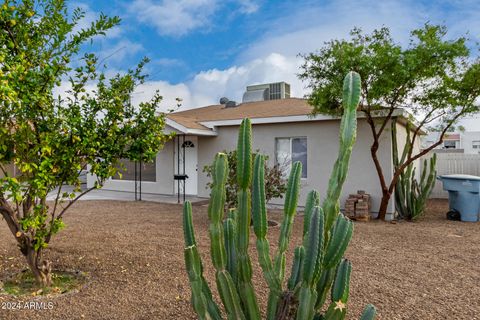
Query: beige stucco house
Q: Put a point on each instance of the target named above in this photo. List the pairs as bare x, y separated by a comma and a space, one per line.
283, 129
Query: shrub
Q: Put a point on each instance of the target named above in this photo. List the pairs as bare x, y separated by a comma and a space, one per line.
275, 184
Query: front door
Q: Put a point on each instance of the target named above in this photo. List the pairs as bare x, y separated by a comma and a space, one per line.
191, 164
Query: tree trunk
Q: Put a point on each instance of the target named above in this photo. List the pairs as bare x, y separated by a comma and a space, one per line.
40, 268
382, 212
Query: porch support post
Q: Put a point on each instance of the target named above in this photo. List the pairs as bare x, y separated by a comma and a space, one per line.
184, 160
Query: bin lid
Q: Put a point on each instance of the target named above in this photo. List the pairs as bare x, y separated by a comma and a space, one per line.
460, 177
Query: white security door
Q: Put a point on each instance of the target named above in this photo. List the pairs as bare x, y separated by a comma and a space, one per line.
191, 164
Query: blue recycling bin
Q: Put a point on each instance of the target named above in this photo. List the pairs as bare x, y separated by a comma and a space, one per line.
463, 195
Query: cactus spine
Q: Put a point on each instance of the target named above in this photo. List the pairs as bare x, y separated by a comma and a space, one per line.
410, 194
318, 267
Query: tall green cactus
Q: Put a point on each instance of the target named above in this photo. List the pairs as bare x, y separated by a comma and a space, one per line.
410, 194
318, 267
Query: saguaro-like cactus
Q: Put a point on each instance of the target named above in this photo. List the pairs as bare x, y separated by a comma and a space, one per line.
318, 267
410, 194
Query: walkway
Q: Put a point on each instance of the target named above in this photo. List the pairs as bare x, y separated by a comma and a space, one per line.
101, 194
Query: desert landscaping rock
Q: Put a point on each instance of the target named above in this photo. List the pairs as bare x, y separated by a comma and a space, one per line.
133, 253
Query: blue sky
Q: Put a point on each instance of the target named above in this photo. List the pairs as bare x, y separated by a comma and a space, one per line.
204, 49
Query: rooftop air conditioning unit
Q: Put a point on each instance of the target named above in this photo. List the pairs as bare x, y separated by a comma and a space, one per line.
268, 91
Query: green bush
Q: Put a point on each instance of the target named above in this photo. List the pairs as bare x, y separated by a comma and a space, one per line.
275, 184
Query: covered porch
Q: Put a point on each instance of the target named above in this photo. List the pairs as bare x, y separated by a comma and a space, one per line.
173, 175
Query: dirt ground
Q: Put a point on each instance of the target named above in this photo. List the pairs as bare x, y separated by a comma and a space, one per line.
133, 253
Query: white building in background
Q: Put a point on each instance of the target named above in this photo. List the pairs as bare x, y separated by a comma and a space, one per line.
471, 142
467, 142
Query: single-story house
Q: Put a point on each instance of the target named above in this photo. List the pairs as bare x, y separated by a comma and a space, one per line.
283, 129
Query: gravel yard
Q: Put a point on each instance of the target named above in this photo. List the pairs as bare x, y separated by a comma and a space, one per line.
133, 253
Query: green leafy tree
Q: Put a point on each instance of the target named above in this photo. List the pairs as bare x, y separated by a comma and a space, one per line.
275, 183
437, 80
51, 139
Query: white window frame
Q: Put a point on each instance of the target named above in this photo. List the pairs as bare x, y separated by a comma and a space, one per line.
291, 152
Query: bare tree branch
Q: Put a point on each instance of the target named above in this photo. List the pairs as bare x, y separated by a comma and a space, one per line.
74, 200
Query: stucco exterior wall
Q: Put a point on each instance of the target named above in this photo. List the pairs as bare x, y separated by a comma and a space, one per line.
164, 176
322, 142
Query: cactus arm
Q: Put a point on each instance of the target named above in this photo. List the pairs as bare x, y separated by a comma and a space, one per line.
188, 232
348, 126
323, 286
215, 212
369, 313
340, 292
243, 169
427, 185
399, 193
424, 172
406, 148
340, 237
394, 143
199, 301
400, 197
259, 217
229, 295
259, 211
201, 295
296, 274
307, 297
244, 154
244, 266
313, 200
230, 248
313, 248
291, 199
244, 178
225, 283
341, 287
408, 189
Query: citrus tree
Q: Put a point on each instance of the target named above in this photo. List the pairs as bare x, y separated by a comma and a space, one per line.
50, 139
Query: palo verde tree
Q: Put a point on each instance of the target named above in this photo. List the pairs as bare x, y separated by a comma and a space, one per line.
437, 80
51, 139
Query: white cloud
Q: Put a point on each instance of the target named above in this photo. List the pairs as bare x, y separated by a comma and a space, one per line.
248, 6
180, 17
174, 17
